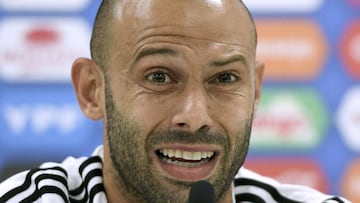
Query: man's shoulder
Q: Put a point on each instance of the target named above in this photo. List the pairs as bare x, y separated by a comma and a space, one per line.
250, 186
73, 179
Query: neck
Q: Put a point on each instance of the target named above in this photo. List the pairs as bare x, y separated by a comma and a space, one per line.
114, 186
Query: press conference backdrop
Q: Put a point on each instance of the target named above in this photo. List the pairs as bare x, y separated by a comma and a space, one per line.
307, 129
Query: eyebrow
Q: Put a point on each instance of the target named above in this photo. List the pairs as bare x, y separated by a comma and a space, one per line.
154, 51
230, 59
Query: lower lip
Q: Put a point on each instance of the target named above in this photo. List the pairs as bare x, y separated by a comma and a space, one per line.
188, 174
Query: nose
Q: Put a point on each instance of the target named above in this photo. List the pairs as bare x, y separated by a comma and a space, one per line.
191, 111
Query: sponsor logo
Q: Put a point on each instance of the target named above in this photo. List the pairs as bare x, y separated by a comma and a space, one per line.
292, 171
38, 49
350, 49
43, 127
280, 6
288, 119
348, 118
351, 181
291, 49
43, 120
43, 5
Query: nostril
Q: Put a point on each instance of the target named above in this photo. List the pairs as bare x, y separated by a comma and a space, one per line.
181, 124
184, 126
205, 127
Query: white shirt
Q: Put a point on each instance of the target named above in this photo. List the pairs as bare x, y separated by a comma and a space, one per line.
80, 180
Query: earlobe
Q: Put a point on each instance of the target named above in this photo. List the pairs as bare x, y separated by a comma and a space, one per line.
259, 73
87, 80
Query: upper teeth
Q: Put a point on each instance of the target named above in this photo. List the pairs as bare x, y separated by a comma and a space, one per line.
186, 154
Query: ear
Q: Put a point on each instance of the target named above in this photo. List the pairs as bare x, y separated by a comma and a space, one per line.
259, 72
87, 79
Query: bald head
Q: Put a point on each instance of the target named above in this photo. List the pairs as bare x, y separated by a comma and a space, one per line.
103, 33
100, 35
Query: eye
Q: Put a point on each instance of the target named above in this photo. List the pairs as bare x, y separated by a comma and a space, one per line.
159, 77
225, 78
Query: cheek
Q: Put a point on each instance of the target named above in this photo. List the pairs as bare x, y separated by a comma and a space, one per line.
150, 113
233, 114
145, 108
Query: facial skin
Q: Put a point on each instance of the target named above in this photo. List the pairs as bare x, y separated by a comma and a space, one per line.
181, 78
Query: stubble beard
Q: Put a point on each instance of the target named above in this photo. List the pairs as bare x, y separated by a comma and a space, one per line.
130, 155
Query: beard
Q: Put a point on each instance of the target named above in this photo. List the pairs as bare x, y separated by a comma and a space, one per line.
130, 153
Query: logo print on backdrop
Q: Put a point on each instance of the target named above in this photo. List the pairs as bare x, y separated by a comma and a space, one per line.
37, 126
291, 49
37, 122
41, 118
42, 36
44, 5
299, 171
39, 49
348, 118
281, 6
289, 119
44, 127
350, 49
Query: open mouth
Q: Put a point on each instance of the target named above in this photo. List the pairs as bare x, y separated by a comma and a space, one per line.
186, 159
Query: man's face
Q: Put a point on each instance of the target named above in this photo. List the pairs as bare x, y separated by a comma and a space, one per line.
180, 95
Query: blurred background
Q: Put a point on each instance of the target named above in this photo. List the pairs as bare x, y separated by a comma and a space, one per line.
307, 129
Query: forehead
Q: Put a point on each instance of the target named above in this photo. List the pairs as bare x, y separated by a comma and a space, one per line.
220, 21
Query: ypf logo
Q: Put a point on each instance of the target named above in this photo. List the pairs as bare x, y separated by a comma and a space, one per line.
291, 49
37, 121
43, 5
350, 49
37, 126
36, 49
288, 119
292, 171
348, 118
40, 118
351, 182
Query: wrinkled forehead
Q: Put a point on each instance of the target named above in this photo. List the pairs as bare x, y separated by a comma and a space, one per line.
216, 20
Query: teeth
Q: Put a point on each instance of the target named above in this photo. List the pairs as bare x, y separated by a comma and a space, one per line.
196, 156
186, 155
171, 152
203, 154
178, 154
185, 164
